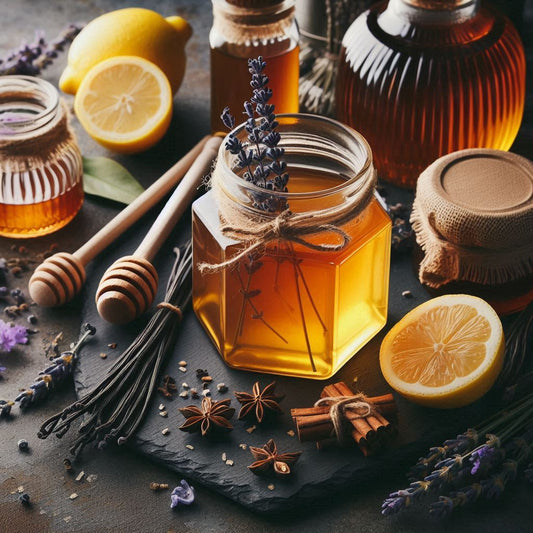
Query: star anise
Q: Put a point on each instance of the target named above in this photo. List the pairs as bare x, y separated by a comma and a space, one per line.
267, 458
260, 403
212, 416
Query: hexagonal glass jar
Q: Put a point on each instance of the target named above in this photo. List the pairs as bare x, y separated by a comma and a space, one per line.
296, 292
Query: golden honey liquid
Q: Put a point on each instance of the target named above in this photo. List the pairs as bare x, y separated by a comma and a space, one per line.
33, 220
230, 82
432, 91
293, 310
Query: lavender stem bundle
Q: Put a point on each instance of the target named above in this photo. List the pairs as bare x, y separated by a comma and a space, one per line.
117, 405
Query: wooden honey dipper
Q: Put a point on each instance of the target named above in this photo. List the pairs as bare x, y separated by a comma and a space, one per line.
60, 277
129, 285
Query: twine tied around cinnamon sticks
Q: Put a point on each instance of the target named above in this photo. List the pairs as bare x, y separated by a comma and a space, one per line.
258, 230
330, 421
338, 405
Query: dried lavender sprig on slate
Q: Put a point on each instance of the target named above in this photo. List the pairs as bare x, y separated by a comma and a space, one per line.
505, 426
31, 59
116, 407
55, 375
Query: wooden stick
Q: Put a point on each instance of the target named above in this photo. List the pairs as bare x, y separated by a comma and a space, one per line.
129, 285
60, 277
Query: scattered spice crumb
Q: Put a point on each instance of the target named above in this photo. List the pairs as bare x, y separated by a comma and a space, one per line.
103, 355
194, 393
20, 489
291, 433
92, 477
243, 446
23, 445
165, 431
185, 386
229, 462
24, 498
189, 446
68, 464
80, 476
73, 496
31, 319
207, 379
182, 363
251, 429
205, 385
206, 392
224, 456
158, 486
184, 394
271, 486
164, 414
407, 294
67, 519
161, 407
182, 369
222, 387
200, 372
112, 345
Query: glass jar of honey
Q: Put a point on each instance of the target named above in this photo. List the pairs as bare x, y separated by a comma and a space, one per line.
423, 78
296, 291
250, 28
40, 163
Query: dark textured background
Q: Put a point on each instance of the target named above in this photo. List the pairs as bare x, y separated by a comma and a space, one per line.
119, 499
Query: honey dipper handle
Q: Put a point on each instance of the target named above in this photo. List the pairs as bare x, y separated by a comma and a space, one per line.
179, 201
136, 209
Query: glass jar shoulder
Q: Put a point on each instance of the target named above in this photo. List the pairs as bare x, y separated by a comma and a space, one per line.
379, 28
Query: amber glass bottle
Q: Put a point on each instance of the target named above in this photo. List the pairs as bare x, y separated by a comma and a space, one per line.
244, 29
423, 78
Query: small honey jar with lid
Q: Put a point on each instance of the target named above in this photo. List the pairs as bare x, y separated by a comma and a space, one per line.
473, 219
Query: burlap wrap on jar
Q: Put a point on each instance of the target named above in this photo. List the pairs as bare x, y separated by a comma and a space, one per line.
473, 218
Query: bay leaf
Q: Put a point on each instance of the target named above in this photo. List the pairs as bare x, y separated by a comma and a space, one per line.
106, 178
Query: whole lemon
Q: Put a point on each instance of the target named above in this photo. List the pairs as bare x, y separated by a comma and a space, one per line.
133, 32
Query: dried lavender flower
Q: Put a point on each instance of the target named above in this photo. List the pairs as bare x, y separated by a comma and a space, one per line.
10, 335
183, 493
56, 374
261, 159
31, 59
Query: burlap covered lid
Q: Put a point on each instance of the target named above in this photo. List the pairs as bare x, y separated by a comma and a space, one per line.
473, 218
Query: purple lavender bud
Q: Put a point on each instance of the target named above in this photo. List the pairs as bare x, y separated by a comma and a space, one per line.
272, 140
227, 119
249, 109
183, 493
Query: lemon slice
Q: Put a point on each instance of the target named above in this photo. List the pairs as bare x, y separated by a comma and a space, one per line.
446, 352
125, 103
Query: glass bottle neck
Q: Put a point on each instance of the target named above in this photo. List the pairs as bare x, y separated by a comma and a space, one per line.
434, 11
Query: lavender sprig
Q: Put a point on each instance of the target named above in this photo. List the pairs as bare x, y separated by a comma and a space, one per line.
261, 158
31, 59
489, 466
55, 375
10, 335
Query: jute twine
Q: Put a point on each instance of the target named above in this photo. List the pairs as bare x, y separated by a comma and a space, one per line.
357, 404
242, 24
35, 148
257, 231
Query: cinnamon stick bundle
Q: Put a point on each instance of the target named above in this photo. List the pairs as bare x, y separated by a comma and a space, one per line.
369, 433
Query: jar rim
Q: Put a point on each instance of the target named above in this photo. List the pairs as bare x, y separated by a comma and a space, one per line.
28, 87
296, 196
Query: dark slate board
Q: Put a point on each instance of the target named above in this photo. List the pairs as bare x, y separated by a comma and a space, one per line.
318, 473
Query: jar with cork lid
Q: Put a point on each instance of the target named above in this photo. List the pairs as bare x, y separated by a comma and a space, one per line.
473, 219
249, 28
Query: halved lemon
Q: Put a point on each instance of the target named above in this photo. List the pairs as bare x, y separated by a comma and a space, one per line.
447, 352
125, 103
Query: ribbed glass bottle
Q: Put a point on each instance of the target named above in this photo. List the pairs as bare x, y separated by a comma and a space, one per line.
423, 78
